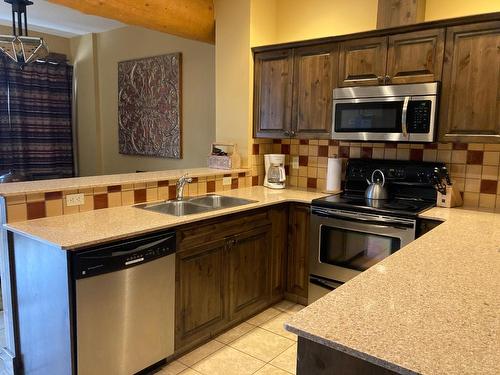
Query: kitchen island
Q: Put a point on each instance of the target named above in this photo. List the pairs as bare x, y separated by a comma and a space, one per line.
433, 307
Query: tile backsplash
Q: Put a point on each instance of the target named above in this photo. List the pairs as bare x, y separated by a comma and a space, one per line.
473, 167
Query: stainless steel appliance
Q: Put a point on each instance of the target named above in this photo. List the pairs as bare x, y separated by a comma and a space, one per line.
125, 305
403, 113
350, 233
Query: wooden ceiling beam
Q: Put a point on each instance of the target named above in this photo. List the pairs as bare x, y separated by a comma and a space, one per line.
192, 19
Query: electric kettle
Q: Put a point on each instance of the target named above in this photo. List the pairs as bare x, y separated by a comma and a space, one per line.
375, 189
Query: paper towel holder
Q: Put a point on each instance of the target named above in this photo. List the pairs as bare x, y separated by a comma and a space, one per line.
331, 192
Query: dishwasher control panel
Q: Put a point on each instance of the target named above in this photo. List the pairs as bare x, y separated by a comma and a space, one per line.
123, 254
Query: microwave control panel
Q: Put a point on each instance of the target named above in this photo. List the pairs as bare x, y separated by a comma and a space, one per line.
419, 116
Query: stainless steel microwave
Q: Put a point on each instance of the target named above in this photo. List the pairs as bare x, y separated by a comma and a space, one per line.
402, 113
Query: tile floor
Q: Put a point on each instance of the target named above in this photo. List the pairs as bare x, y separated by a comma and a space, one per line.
259, 346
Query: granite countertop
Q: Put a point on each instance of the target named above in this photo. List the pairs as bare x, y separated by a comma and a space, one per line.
431, 308
71, 232
27, 187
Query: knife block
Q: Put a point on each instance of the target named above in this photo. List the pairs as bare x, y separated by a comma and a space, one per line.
452, 198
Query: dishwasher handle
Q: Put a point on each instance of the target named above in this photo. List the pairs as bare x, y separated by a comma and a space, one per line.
123, 254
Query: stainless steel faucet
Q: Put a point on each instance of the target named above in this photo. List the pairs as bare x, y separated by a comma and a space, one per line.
181, 182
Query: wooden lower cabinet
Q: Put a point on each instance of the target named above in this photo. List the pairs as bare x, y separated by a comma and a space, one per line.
279, 219
200, 292
298, 252
249, 260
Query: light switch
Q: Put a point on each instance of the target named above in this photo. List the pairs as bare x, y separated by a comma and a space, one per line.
226, 181
75, 200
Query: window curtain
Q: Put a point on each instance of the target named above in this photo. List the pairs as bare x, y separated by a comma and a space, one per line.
36, 139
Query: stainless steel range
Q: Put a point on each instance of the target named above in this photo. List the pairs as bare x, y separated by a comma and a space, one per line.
350, 233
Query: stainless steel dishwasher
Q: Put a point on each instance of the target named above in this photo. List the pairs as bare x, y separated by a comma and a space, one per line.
125, 305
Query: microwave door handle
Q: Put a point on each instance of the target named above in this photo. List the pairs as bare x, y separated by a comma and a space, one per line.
404, 115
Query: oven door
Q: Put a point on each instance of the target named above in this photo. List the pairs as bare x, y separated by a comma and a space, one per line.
370, 119
344, 244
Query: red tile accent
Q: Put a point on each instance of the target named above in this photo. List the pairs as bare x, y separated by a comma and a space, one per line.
36, 210
416, 154
234, 183
171, 191
303, 160
210, 186
287, 170
333, 142
101, 201
255, 180
195, 179
304, 141
285, 149
343, 151
162, 183
475, 157
241, 174
430, 146
489, 186
114, 188
323, 151
366, 152
227, 174
459, 146
140, 195
391, 145
52, 195
276, 141
255, 149
312, 182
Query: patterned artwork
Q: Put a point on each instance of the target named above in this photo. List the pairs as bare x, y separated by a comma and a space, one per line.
149, 106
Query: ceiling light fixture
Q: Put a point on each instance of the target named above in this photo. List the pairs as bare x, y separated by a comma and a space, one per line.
20, 47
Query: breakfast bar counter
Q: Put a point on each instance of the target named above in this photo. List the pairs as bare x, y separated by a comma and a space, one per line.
431, 308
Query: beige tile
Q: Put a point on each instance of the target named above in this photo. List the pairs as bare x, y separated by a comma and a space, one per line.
198, 354
471, 199
54, 207
430, 155
302, 182
127, 198
35, 197
472, 185
459, 156
459, 182
287, 360
492, 147
390, 154
473, 171
68, 210
235, 333
295, 308
140, 185
264, 316
127, 187
271, 370
152, 184
403, 154
403, 145
303, 150
151, 194
312, 161
457, 170
276, 325
377, 153
355, 152
115, 199
312, 172
491, 158
489, 172
487, 200
88, 204
262, 344
100, 189
313, 150
16, 199
475, 146
86, 191
283, 305
303, 171
444, 156
17, 212
229, 361
445, 146
173, 368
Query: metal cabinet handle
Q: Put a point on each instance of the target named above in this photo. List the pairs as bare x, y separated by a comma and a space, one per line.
387, 79
292, 133
380, 79
287, 133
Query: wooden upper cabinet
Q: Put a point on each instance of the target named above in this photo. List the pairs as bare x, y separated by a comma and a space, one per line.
362, 61
315, 71
249, 256
273, 93
415, 57
471, 84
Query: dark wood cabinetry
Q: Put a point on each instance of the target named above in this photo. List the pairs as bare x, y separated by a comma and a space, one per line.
273, 94
415, 57
315, 69
249, 260
298, 251
471, 84
362, 62
279, 219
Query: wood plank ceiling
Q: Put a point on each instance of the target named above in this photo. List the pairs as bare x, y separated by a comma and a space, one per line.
192, 19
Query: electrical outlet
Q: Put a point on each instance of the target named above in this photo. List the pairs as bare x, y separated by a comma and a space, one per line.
295, 162
75, 200
226, 181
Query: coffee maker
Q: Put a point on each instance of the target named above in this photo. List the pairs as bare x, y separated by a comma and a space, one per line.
274, 165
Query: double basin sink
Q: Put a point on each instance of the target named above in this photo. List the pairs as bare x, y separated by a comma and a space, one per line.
195, 205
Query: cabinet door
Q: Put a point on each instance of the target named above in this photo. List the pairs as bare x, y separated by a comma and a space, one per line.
279, 219
471, 84
298, 251
315, 69
362, 61
273, 94
415, 57
249, 257
199, 293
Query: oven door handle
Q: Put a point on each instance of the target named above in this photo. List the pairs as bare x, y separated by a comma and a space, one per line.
324, 283
381, 222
